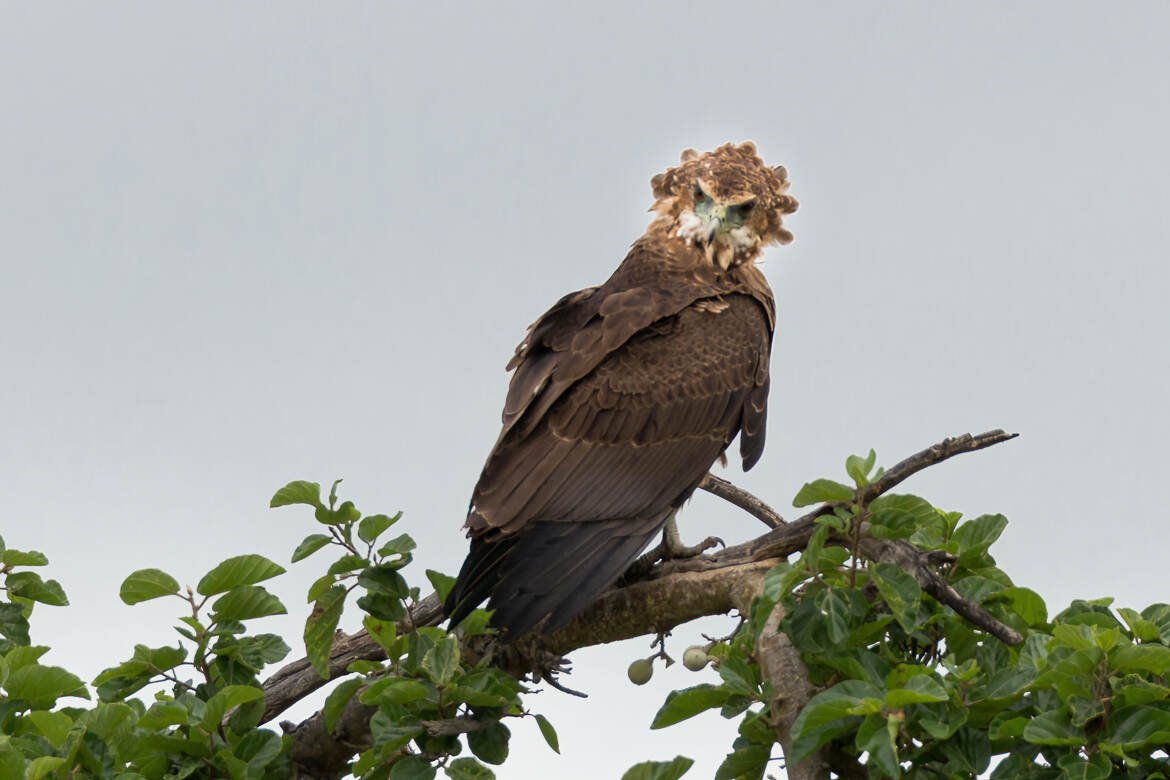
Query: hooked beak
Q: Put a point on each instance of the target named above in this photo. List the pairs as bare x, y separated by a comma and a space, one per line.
715, 222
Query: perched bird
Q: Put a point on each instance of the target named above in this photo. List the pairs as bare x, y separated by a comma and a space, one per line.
625, 394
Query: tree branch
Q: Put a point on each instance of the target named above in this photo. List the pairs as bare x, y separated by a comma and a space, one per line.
742, 499
676, 592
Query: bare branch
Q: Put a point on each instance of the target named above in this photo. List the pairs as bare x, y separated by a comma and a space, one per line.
742, 499
947, 448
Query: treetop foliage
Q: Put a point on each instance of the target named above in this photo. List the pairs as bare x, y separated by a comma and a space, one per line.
902, 685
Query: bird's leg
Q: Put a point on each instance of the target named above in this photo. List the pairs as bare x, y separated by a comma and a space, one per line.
669, 549
672, 547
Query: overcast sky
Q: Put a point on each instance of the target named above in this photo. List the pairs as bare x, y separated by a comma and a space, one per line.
242, 245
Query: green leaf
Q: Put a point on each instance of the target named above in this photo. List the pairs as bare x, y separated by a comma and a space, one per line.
337, 699
659, 770
259, 748
220, 703
309, 545
829, 714
968, 753
858, 467
412, 768
320, 626
1139, 727
548, 732
834, 605
345, 515
264, 649
41, 686
1028, 605
738, 675
393, 691
245, 602
441, 583
822, 491
1006, 683
319, 586
347, 563
441, 662
919, 689
1053, 728
398, 545
1144, 630
384, 579
781, 579
12, 763
1141, 658
468, 769
688, 702
298, 492
812, 553
1132, 689
901, 592
371, 527
490, 744
897, 516
19, 558
745, 762
975, 536
14, 624
1099, 767
147, 584
383, 632
876, 735
43, 767
54, 726
389, 735
29, 585
240, 570
165, 713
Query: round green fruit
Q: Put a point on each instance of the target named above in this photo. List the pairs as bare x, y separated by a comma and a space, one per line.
695, 658
640, 671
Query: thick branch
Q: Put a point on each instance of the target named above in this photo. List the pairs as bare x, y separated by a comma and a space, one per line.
641, 608
781, 665
674, 593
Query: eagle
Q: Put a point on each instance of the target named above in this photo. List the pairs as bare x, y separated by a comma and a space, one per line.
623, 396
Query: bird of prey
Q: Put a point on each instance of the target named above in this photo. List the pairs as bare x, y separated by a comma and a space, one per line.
625, 394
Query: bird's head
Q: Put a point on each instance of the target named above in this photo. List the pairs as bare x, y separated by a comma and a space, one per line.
726, 202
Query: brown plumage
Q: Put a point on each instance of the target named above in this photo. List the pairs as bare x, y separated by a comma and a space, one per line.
624, 395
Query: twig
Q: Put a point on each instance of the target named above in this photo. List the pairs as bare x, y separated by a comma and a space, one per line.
742, 499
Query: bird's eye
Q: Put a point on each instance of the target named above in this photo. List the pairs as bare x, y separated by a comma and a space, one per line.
700, 196
746, 207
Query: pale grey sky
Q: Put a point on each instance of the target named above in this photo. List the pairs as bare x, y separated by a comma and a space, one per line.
241, 245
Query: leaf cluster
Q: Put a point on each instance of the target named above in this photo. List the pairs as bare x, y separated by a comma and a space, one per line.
909, 688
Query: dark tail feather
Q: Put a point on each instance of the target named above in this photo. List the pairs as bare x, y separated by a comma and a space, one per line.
548, 569
477, 577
